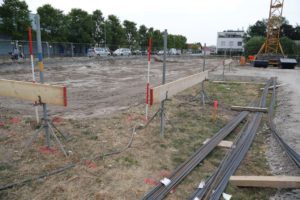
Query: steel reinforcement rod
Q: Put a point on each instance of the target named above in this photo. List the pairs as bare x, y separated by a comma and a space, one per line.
161, 190
217, 183
290, 152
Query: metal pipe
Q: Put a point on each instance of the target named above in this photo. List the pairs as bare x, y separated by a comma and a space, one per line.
162, 105
41, 71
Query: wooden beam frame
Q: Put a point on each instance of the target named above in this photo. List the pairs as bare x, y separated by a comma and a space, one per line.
162, 92
50, 94
266, 181
251, 109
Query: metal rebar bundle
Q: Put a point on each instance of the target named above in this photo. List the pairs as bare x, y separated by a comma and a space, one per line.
217, 183
160, 191
290, 152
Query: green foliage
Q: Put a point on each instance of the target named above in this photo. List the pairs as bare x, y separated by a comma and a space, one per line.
15, 19
258, 29
98, 27
79, 26
253, 45
143, 37
287, 30
114, 32
158, 40
130, 32
52, 23
289, 47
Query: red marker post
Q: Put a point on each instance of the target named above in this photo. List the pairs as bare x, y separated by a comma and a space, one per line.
32, 69
148, 76
216, 104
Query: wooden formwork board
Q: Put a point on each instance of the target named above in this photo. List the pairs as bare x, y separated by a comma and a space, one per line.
228, 61
266, 181
50, 94
159, 93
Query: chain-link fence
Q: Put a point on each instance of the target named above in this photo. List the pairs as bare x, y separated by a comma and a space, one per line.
67, 49
50, 49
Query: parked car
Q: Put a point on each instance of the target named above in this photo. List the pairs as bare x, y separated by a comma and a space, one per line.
98, 51
122, 52
137, 52
172, 51
161, 52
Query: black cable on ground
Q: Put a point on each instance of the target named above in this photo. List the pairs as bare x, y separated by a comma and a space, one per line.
56, 171
294, 156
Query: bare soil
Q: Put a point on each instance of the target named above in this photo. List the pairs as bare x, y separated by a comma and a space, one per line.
99, 86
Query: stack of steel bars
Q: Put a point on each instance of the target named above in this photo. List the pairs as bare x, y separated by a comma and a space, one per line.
160, 191
290, 152
217, 183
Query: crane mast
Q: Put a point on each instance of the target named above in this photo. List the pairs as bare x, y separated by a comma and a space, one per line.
273, 29
271, 52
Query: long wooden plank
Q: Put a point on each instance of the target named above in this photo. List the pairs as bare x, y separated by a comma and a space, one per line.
158, 94
266, 181
50, 94
251, 109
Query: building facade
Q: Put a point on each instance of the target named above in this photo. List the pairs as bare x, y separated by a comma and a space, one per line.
230, 42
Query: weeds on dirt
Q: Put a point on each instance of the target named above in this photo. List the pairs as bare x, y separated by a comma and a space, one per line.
150, 157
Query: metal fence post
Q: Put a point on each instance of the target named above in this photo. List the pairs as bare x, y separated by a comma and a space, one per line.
162, 120
41, 70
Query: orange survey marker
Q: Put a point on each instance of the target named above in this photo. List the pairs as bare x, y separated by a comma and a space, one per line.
215, 110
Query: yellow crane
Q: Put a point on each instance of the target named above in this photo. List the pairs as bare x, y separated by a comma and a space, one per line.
271, 52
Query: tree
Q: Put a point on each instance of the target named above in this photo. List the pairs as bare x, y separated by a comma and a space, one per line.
79, 26
114, 32
180, 42
297, 32
130, 32
143, 37
289, 46
253, 45
15, 19
53, 24
98, 29
157, 40
258, 29
171, 41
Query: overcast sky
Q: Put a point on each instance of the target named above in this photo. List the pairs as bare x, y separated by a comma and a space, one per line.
198, 20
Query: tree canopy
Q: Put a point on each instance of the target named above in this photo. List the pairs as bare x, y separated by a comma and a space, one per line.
78, 26
287, 30
53, 28
15, 19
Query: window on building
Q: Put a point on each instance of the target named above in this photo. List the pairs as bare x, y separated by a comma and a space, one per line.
231, 43
223, 43
239, 44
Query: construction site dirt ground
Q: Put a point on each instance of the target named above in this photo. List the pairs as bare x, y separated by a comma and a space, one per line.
106, 105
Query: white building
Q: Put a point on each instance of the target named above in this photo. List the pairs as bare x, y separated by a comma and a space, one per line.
230, 42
